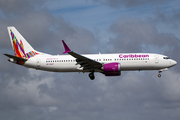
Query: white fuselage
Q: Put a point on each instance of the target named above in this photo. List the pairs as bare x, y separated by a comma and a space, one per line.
107, 64
128, 62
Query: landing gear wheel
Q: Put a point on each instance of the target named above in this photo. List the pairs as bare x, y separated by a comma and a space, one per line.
91, 76
159, 75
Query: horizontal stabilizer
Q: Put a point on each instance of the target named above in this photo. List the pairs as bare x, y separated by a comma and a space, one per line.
15, 57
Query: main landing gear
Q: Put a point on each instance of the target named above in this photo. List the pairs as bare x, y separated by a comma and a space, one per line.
91, 75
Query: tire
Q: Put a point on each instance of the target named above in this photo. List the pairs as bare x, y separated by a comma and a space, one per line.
159, 75
91, 76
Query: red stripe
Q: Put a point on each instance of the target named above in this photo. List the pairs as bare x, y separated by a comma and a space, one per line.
17, 50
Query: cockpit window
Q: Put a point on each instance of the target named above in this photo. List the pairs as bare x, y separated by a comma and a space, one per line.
166, 58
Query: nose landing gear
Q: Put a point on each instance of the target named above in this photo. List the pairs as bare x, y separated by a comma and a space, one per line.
165, 69
159, 75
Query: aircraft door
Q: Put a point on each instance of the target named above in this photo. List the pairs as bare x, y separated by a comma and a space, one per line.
156, 59
38, 62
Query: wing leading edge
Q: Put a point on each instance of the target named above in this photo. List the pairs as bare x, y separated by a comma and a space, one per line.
86, 63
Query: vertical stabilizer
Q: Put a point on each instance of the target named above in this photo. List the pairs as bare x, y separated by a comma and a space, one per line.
20, 46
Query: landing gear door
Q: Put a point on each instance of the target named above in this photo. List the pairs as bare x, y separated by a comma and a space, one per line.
156, 59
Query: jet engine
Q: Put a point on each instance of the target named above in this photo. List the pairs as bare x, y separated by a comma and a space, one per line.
112, 69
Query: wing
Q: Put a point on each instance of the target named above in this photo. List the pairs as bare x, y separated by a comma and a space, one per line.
86, 63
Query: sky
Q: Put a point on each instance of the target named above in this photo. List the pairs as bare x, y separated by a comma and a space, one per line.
91, 26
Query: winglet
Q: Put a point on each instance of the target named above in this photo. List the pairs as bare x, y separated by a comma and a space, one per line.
66, 48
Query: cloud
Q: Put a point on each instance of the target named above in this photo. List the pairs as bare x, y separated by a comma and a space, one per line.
74, 35
32, 94
18, 7
129, 3
134, 32
166, 17
63, 97
131, 33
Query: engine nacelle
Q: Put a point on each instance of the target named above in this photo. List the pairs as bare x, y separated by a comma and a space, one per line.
112, 69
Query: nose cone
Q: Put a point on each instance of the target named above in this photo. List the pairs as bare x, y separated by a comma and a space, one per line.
173, 62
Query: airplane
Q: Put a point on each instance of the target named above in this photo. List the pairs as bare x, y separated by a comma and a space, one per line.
107, 64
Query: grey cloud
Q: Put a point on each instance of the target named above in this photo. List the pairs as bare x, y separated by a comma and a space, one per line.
130, 34
31, 94
129, 3
17, 7
4, 35
76, 37
130, 96
172, 19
